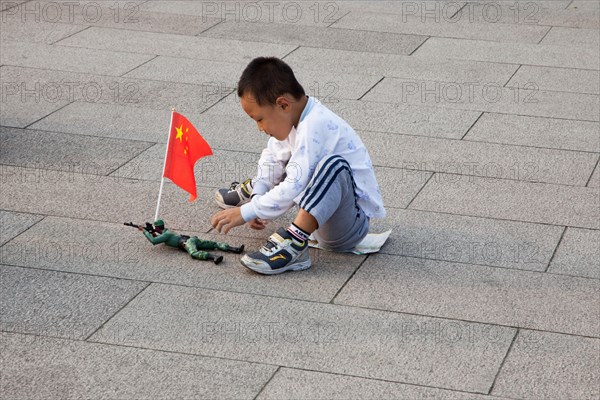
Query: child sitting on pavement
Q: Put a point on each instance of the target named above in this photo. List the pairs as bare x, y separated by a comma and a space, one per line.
313, 159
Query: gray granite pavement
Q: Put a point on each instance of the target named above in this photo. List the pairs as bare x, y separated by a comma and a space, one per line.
482, 121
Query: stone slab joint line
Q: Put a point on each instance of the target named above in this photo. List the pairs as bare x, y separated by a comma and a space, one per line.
210, 27
290, 52
57, 42
267, 383
592, 174
49, 114
348, 280
117, 312
137, 66
472, 125
371, 88
419, 46
72, 34
556, 249
514, 73
131, 159
459, 10
233, 90
338, 20
504, 360
16, 236
422, 187
545, 34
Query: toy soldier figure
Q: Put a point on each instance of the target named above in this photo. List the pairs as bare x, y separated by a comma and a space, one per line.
193, 245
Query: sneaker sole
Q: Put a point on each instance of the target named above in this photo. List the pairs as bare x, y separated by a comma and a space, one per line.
261, 269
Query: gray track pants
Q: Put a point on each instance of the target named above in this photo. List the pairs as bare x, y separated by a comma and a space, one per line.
330, 198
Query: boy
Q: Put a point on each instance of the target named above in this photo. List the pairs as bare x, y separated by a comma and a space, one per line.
313, 159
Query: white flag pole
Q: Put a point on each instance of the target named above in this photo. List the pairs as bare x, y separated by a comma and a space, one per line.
162, 176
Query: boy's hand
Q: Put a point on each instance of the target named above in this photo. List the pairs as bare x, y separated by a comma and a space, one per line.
227, 219
257, 223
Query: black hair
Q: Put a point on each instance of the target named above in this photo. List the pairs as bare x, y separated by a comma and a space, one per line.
266, 79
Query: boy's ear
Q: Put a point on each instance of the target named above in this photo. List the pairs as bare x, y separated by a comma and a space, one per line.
283, 103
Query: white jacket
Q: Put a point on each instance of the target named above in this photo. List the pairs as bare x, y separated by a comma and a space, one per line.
320, 133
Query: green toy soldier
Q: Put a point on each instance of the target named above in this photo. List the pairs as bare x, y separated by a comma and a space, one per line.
192, 244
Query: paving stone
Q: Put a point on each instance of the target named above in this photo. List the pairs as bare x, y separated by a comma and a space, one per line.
595, 178
125, 15
550, 365
64, 152
572, 37
300, 384
171, 45
307, 335
578, 254
400, 66
479, 159
218, 78
455, 238
560, 79
51, 303
398, 187
40, 55
216, 75
123, 252
343, 39
405, 119
38, 87
22, 104
536, 131
518, 53
392, 118
572, 17
110, 120
476, 293
101, 198
437, 23
318, 13
13, 28
36, 367
508, 199
15, 223
488, 96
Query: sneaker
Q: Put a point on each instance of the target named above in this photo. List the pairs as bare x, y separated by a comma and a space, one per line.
237, 195
280, 254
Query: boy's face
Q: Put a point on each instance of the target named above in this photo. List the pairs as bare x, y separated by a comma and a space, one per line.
275, 120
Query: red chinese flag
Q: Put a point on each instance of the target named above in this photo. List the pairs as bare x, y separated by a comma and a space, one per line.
186, 146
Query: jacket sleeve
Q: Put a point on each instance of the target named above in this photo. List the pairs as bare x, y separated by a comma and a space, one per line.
271, 166
310, 148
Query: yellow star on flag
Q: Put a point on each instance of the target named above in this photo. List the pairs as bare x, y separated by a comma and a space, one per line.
179, 133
